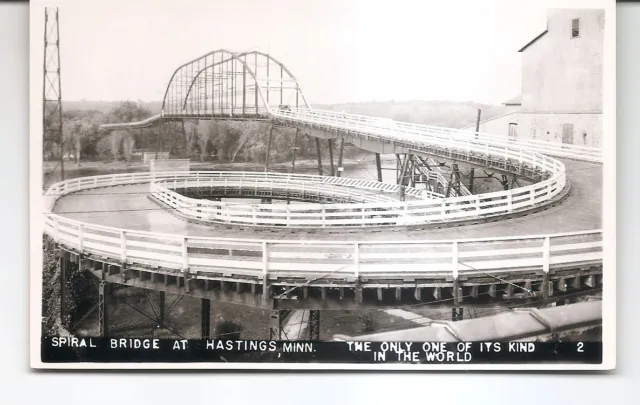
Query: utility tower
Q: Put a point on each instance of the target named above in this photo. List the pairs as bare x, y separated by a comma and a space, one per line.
51, 90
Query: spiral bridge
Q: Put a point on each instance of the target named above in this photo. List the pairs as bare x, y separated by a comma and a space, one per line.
539, 240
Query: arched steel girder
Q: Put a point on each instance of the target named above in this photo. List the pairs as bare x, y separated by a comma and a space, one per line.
192, 77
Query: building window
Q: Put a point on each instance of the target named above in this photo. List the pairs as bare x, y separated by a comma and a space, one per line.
513, 130
575, 28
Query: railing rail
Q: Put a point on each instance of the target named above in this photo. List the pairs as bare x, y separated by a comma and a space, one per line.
346, 259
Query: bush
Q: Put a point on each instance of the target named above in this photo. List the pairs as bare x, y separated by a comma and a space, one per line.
367, 320
229, 330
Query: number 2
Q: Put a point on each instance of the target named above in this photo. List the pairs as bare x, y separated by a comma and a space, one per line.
580, 346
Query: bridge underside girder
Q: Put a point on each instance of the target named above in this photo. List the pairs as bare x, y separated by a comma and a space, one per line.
385, 291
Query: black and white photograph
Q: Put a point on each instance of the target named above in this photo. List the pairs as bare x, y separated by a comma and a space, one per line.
346, 185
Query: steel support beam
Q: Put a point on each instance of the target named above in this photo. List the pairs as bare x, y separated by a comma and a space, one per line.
319, 156
103, 320
330, 142
205, 315
471, 177
314, 324
378, 167
340, 168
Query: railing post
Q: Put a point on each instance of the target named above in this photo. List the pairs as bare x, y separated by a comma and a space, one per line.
454, 259
185, 255
509, 201
123, 246
546, 255
323, 218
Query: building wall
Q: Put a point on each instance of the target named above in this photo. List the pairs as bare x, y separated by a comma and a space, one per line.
587, 128
561, 73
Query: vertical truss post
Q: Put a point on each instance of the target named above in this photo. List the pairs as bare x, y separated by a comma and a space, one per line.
295, 149
205, 315
314, 324
244, 87
103, 321
319, 156
266, 161
378, 167
330, 142
340, 168
51, 86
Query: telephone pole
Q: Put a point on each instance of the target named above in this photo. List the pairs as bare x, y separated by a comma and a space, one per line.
51, 90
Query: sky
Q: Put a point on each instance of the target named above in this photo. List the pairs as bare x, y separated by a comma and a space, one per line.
339, 50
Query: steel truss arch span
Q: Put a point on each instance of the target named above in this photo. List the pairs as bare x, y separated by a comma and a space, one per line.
223, 84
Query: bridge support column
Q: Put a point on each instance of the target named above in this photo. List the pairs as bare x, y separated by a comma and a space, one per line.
295, 150
205, 315
161, 310
319, 156
103, 320
314, 324
330, 142
276, 324
472, 174
340, 168
457, 314
266, 160
378, 167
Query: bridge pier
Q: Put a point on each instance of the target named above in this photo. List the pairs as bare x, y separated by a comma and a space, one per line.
205, 317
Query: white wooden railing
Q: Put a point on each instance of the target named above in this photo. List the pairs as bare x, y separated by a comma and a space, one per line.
344, 259
457, 138
383, 212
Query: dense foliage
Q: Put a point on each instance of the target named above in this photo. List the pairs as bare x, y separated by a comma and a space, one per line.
79, 297
205, 140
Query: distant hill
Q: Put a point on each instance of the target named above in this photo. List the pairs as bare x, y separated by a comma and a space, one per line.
453, 114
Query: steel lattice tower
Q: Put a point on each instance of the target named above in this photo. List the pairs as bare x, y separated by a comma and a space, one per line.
51, 90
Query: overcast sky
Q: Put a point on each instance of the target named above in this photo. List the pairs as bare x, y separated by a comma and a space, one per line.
340, 50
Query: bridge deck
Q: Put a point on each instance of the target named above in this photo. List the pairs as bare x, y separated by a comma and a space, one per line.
128, 207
